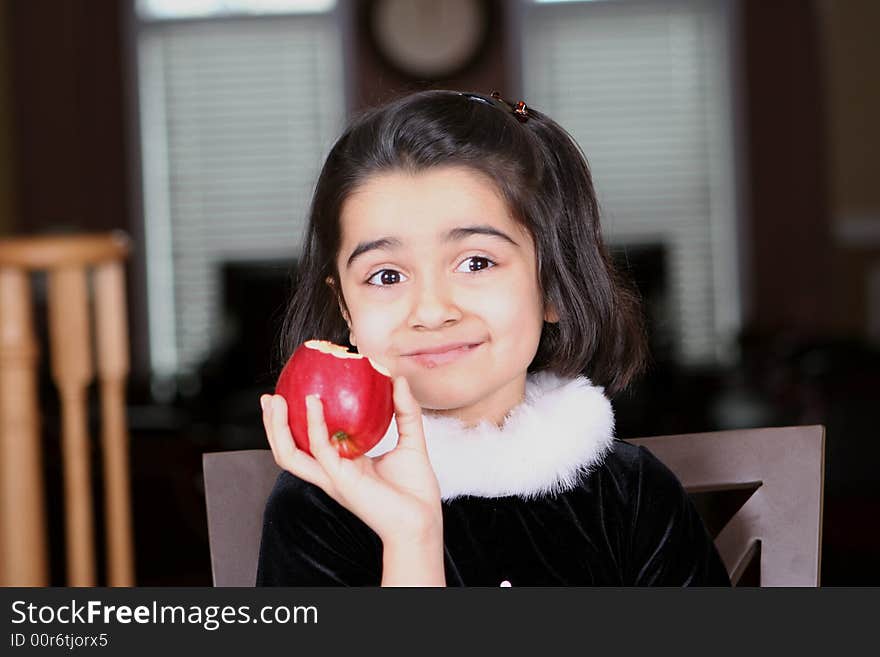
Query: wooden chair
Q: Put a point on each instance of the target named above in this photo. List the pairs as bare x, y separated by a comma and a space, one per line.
759, 492
237, 485
68, 263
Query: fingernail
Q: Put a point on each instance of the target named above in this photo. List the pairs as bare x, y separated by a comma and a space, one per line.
264, 400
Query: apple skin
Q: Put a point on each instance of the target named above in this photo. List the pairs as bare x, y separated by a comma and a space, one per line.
357, 397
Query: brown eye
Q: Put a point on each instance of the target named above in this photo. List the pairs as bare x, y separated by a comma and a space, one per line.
385, 277
476, 263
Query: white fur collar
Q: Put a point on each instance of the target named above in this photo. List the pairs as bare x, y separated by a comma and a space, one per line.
563, 427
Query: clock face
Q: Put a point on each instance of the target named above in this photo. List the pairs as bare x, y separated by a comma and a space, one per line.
429, 38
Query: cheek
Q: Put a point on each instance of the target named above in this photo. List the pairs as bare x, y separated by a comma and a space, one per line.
501, 314
515, 312
372, 326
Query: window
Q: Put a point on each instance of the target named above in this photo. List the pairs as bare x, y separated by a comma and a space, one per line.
236, 116
645, 89
177, 9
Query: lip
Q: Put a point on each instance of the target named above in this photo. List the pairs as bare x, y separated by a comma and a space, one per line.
442, 349
443, 355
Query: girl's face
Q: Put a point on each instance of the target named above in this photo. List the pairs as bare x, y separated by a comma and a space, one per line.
433, 262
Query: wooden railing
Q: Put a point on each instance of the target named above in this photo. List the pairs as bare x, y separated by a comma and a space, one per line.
68, 263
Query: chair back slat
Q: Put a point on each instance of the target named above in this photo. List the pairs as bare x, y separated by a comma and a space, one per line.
70, 352
23, 543
113, 368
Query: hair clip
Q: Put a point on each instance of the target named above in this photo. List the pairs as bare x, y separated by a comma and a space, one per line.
520, 110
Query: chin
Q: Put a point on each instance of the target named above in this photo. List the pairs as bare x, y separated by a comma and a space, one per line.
436, 398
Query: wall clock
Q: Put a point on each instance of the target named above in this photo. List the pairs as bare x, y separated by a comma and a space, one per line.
429, 39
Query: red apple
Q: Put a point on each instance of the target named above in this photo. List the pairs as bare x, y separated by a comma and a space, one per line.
356, 392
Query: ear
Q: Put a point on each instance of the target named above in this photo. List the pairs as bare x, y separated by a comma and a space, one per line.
550, 314
342, 309
337, 293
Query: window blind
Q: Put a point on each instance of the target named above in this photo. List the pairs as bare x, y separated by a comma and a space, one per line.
236, 118
644, 88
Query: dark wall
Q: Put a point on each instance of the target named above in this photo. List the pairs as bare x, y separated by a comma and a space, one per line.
8, 206
787, 195
68, 77
67, 82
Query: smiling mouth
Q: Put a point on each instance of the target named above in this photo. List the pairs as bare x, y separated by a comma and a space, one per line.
443, 358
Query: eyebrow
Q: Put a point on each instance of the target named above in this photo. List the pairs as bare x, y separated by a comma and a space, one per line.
454, 235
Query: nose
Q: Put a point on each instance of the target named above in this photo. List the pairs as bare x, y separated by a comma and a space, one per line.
434, 305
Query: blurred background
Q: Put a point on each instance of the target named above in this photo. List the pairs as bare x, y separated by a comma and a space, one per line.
733, 145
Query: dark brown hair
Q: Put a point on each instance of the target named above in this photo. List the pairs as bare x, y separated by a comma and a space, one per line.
544, 178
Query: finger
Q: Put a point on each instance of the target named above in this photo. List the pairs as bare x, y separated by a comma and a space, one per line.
408, 415
287, 454
266, 405
319, 440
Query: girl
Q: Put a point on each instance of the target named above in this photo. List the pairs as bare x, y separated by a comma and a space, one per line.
455, 239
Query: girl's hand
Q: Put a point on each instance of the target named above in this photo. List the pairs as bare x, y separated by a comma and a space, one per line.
396, 494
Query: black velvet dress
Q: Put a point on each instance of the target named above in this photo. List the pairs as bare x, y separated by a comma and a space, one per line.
626, 522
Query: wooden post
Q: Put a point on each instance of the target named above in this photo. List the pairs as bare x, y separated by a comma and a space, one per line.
23, 543
113, 366
71, 357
